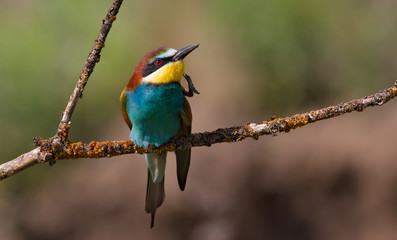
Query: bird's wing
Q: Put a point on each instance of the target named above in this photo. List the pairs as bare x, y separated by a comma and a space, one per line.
183, 155
123, 104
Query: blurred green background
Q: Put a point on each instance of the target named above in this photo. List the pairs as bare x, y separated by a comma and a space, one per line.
256, 59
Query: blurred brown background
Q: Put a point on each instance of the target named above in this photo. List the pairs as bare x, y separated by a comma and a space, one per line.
335, 179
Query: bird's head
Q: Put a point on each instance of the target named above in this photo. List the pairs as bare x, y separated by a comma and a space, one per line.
162, 65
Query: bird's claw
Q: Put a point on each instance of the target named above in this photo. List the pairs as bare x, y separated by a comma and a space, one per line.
191, 89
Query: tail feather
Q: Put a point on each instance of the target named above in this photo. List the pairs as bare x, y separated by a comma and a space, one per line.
182, 166
183, 155
156, 164
154, 196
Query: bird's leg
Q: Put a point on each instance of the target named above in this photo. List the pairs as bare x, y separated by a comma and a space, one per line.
191, 88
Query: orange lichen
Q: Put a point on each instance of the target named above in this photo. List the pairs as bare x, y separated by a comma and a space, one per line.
63, 131
112, 19
99, 44
84, 76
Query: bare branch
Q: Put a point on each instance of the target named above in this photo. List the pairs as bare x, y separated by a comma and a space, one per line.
88, 68
51, 150
20, 163
37, 155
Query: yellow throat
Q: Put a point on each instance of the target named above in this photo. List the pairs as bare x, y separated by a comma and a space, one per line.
171, 72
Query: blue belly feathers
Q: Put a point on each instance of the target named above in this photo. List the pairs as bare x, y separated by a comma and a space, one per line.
154, 113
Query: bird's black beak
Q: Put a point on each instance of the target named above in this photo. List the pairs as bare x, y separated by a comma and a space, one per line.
181, 54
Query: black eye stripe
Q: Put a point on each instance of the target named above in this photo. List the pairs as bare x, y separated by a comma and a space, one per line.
152, 66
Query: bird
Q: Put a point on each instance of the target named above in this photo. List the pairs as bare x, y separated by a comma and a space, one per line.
155, 108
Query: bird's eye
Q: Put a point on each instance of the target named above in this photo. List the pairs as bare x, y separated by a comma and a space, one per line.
158, 62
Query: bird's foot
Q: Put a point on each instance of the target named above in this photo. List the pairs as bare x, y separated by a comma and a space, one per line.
191, 89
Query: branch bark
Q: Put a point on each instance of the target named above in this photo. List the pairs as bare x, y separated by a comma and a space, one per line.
59, 147
53, 150
88, 68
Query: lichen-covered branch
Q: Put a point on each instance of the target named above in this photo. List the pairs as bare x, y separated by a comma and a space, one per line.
52, 150
88, 68
94, 149
37, 155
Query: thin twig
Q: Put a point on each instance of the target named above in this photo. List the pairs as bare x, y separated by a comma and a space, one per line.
58, 150
88, 68
37, 155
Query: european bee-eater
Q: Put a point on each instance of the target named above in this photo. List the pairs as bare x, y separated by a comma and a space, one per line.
155, 109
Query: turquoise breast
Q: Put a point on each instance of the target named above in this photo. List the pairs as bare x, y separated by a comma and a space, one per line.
154, 113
